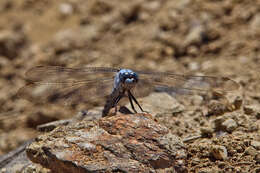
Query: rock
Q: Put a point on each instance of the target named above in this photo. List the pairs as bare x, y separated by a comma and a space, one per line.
196, 100
52, 125
216, 108
251, 151
229, 125
256, 144
67, 40
205, 170
128, 143
257, 158
65, 9
16, 160
257, 115
195, 35
156, 102
252, 110
11, 43
238, 102
152, 6
101, 7
193, 66
206, 132
219, 152
255, 24
35, 168
217, 123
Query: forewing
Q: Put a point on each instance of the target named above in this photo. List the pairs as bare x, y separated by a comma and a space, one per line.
62, 74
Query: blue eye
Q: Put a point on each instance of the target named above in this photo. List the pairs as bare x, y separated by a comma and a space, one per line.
135, 76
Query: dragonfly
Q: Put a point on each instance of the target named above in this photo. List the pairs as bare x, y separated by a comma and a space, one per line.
82, 84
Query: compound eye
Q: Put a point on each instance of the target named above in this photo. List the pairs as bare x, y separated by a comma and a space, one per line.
123, 77
135, 76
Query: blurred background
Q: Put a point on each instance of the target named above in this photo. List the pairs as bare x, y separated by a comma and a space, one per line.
199, 37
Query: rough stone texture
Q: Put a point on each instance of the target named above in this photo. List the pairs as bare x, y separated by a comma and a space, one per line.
256, 144
230, 125
11, 43
219, 152
124, 143
16, 161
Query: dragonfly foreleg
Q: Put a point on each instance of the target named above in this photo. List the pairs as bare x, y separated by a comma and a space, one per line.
130, 95
131, 101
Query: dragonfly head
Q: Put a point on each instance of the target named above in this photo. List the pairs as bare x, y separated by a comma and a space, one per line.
128, 79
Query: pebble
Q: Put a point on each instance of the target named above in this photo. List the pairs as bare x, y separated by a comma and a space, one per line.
229, 125
250, 109
206, 132
238, 102
195, 34
152, 6
216, 108
219, 152
194, 66
256, 144
251, 151
255, 24
257, 158
11, 43
65, 9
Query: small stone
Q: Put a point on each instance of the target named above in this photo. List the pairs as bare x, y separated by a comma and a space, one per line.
219, 152
195, 35
156, 102
216, 108
250, 109
152, 6
217, 123
205, 170
206, 65
194, 66
257, 115
256, 144
238, 102
206, 132
65, 9
195, 161
255, 24
229, 125
11, 43
87, 146
193, 50
257, 158
251, 151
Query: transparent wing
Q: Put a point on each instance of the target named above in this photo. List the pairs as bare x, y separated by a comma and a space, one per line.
69, 93
67, 85
182, 84
61, 74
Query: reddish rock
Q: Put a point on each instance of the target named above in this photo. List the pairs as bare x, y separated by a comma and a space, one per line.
128, 143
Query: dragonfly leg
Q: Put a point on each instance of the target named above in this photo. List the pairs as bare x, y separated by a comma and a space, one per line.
131, 95
116, 101
131, 101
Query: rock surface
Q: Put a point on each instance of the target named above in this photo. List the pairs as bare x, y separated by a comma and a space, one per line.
128, 143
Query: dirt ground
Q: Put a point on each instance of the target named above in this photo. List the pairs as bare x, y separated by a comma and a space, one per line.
199, 37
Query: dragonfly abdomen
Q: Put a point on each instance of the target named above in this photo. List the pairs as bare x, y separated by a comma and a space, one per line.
112, 101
